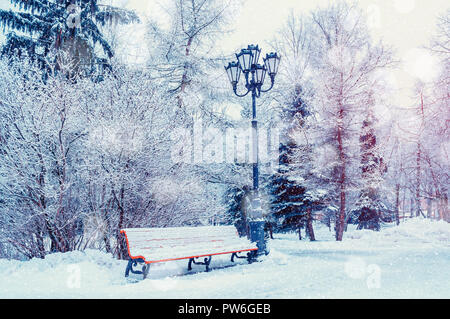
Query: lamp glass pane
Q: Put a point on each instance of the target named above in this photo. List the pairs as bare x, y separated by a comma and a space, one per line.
256, 58
256, 54
276, 64
241, 61
237, 73
266, 63
244, 59
264, 71
272, 63
233, 72
247, 58
260, 73
230, 78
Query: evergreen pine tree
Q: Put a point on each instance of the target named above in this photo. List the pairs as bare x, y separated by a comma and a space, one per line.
286, 186
43, 29
235, 203
369, 207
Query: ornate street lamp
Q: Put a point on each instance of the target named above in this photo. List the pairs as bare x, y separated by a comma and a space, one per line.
254, 75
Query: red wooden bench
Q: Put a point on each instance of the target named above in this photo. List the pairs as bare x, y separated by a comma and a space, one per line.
153, 245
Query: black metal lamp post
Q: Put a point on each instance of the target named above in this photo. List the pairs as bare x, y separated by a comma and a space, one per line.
254, 74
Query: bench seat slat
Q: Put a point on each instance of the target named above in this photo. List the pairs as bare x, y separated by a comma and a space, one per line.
164, 244
151, 257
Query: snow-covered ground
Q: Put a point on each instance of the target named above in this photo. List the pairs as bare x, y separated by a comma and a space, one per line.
410, 261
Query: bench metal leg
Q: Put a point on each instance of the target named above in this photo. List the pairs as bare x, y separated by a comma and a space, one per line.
129, 266
235, 255
251, 256
145, 270
206, 262
133, 263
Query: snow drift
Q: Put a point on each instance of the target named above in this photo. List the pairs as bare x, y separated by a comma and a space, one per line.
409, 261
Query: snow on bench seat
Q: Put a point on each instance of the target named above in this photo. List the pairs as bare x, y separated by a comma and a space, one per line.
166, 244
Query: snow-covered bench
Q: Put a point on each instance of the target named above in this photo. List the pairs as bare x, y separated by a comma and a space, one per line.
152, 245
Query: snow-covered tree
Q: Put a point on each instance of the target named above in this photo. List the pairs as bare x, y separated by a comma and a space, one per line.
185, 56
437, 160
184, 52
39, 130
422, 150
82, 160
41, 29
286, 186
369, 207
344, 61
235, 202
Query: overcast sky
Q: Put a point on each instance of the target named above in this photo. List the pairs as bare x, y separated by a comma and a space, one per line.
407, 25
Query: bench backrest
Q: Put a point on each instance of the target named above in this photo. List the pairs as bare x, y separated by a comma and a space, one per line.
160, 244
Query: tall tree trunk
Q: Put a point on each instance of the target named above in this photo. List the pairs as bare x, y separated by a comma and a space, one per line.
309, 225
40, 244
419, 158
404, 203
397, 204
270, 230
418, 177
340, 219
328, 222
60, 228
121, 249
184, 78
445, 211
429, 208
439, 215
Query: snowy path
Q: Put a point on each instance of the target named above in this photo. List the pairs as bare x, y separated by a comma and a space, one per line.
407, 262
